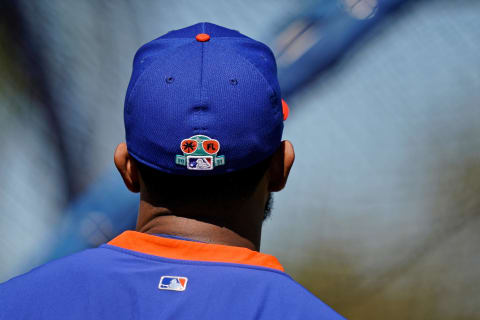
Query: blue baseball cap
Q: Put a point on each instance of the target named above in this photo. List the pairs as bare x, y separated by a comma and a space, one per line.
203, 100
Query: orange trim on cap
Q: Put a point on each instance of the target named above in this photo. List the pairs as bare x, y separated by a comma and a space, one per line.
190, 250
285, 109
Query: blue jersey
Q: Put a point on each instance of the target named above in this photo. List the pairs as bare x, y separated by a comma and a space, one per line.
141, 276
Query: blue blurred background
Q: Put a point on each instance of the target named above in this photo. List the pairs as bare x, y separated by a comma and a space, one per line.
380, 217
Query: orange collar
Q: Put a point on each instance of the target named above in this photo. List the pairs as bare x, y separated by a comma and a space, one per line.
190, 250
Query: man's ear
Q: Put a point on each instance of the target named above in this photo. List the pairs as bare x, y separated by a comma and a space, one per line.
280, 166
126, 166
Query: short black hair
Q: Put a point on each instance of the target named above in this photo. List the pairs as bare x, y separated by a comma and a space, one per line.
175, 189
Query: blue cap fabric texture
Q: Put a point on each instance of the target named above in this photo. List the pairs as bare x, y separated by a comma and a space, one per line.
203, 107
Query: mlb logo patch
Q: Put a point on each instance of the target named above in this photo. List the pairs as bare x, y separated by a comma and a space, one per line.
173, 283
200, 162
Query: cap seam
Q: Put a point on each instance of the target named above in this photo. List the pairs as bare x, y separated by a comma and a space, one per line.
201, 73
256, 70
154, 63
134, 88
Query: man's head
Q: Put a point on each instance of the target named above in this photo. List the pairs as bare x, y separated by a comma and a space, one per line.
204, 120
215, 193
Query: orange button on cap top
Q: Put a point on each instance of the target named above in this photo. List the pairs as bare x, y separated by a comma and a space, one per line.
202, 37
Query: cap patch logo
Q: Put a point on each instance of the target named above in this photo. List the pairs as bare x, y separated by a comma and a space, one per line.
211, 146
173, 283
188, 146
200, 153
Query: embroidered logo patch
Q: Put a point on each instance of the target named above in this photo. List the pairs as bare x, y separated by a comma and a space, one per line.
200, 153
173, 283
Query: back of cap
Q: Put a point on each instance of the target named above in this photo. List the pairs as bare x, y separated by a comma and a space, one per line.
203, 100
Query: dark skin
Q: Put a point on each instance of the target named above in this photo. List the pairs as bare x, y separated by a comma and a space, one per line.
241, 227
